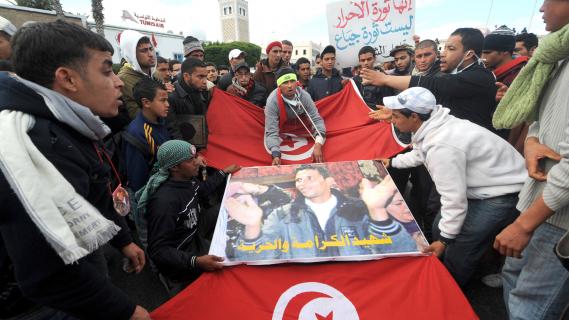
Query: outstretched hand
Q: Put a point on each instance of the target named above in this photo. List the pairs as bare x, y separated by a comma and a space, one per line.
381, 114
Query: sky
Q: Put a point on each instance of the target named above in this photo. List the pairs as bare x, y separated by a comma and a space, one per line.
304, 20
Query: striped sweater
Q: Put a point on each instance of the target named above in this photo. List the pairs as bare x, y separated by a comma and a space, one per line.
552, 129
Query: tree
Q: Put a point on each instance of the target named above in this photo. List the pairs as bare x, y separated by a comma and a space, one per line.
58, 9
218, 53
36, 4
98, 16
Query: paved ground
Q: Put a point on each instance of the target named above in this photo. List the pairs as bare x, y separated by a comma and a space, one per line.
147, 291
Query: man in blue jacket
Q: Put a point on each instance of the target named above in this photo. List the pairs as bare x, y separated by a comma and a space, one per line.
328, 79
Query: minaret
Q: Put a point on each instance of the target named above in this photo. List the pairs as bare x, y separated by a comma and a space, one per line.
234, 17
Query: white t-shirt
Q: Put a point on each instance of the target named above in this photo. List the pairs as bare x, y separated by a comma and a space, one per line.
322, 210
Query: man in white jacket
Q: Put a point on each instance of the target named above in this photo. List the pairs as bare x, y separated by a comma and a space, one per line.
477, 173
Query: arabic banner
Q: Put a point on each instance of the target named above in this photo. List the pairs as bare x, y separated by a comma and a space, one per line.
382, 24
314, 212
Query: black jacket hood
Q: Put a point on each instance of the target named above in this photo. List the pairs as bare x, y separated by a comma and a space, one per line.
16, 96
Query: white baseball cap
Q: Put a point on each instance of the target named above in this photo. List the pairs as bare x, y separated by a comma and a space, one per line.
7, 26
416, 99
235, 53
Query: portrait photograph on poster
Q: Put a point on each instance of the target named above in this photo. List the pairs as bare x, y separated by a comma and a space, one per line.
314, 212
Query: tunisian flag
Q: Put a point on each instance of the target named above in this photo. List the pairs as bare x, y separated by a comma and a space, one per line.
236, 132
396, 288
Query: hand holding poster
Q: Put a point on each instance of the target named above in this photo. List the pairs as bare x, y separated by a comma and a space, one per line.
382, 24
314, 212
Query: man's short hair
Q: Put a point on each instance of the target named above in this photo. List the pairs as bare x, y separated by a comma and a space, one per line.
222, 67
143, 40
301, 60
427, 43
35, 57
286, 42
320, 168
190, 64
211, 64
160, 59
171, 64
472, 39
407, 113
146, 88
366, 49
529, 39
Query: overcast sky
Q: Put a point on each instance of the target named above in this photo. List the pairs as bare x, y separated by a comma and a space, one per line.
303, 20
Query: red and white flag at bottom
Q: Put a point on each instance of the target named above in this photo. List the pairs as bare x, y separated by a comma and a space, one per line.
394, 288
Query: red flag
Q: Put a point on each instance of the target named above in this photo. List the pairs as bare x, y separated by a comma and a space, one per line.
396, 288
154, 42
236, 132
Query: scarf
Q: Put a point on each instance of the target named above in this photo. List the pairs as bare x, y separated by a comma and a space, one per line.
521, 100
170, 153
71, 225
242, 91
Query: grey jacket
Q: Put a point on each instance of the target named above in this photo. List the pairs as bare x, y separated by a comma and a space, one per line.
272, 118
296, 223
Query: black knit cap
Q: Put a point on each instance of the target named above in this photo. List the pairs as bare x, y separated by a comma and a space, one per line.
282, 71
501, 39
328, 49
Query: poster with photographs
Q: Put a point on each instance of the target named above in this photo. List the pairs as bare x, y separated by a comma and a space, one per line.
314, 212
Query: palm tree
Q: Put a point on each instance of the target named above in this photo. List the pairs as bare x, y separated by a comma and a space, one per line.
98, 16
58, 9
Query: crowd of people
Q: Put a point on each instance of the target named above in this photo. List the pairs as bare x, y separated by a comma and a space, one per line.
486, 173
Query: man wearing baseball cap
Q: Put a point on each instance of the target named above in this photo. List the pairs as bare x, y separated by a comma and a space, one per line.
243, 86
266, 68
403, 56
477, 173
235, 57
7, 30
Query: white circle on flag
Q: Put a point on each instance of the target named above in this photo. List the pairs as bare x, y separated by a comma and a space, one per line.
333, 306
294, 147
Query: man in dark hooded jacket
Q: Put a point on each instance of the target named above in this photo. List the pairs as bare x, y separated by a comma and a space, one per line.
54, 184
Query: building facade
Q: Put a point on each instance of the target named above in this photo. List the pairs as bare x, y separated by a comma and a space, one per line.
20, 15
306, 49
234, 18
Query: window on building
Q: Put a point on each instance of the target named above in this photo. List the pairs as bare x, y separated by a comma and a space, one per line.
296, 52
304, 52
179, 57
226, 10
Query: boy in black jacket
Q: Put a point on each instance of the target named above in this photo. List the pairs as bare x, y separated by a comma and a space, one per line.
179, 232
56, 256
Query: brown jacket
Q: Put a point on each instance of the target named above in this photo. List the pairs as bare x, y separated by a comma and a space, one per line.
265, 76
130, 77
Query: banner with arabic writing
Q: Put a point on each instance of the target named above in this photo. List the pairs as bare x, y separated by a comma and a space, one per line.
314, 212
382, 24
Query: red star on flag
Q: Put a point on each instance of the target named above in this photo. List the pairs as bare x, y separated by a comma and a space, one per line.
330, 316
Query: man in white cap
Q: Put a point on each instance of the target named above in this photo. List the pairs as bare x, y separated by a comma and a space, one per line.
235, 57
7, 30
477, 174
